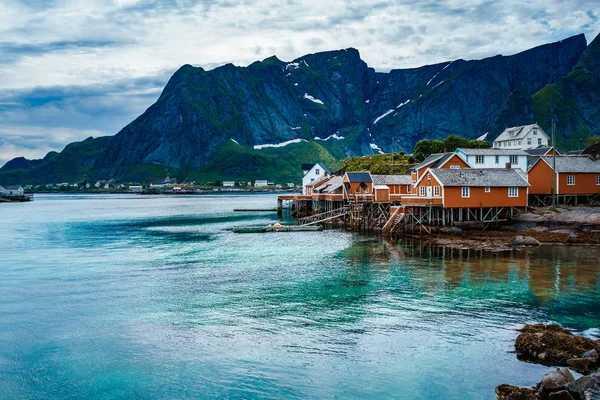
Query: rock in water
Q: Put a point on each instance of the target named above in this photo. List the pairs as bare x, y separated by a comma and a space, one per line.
555, 380
509, 392
582, 385
526, 241
583, 365
553, 345
561, 395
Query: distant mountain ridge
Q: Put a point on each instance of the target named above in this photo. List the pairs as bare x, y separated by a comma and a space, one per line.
205, 124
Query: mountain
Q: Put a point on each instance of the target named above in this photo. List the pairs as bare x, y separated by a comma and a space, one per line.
210, 125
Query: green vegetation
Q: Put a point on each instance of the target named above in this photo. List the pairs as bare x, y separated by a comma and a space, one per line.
379, 164
426, 147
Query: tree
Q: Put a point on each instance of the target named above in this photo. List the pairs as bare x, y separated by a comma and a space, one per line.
426, 147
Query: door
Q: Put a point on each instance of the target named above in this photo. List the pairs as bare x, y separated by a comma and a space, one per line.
429, 189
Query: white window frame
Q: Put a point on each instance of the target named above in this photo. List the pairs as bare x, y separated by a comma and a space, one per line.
455, 167
422, 191
488, 189
539, 141
479, 159
570, 180
529, 141
513, 192
408, 188
597, 180
497, 159
317, 171
465, 192
436, 191
513, 160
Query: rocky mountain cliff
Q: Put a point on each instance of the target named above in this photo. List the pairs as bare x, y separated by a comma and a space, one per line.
213, 123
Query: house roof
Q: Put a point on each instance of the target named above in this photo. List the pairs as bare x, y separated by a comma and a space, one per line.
381, 187
359, 177
311, 166
391, 179
574, 164
493, 152
518, 132
540, 151
574, 153
331, 185
480, 177
11, 187
437, 158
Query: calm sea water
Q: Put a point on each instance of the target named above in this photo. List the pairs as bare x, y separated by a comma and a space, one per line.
153, 297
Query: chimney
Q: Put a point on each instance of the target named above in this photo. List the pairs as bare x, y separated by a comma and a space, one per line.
507, 165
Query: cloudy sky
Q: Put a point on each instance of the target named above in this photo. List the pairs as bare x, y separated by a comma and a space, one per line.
70, 69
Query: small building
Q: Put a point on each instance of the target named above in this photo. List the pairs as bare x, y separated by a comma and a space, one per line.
290, 185
314, 174
471, 188
135, 188
575, 175
11, 191
494, 158
381, 193
437, 160
593, 151
228, 183
261, 183
357, 185
522, 138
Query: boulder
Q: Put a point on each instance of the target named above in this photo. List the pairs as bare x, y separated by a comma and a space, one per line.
581, 385
555, 380
525, 241
561, 395
553, 345
584, 365
509, 392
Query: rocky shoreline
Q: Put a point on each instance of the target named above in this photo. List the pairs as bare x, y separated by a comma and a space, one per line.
553, 345
542, 226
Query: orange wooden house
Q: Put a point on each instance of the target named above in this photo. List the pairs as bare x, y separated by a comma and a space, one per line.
470, 188
358, 186
575, 176
437, 161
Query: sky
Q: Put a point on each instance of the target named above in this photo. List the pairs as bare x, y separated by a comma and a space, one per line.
71, 69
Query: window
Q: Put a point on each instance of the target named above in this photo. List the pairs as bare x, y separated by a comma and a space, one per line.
428, 176
528, 140
488, 189
312, 179
535, 132
598, 180
436, 191
539, 141
570, 179
478, 159
422, 191
513, 192
408, 188
514, 159
466, 192
497, 159
317, 171
455, 167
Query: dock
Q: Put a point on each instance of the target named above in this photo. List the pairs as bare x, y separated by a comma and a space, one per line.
255, 210
274, 228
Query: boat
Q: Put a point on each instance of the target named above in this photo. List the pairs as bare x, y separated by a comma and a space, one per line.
276, 228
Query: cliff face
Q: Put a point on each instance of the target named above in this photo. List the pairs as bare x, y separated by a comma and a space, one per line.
336, 96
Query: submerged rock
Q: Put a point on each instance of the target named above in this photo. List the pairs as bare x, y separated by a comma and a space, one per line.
554, 345
509, 392
526, 241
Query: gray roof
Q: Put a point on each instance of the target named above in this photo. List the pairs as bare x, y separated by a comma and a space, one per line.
518, 132
493, 152
11, 187
331, 185
359, 177
391, 179
540, 151
436, 158
574, 152
574, 164
480, 177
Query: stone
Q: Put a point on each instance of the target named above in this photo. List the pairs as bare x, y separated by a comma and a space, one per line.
509, 392
525, 241
564, 231
561, 395
592, 353
555, 380
581, 385
584, 365
451, 229
591, 394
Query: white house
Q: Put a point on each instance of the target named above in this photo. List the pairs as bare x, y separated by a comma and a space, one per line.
135, 188
494, 158
522, 137
261, 182
313, 174
11, 190
228, 183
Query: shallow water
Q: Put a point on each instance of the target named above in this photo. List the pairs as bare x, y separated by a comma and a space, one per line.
153, 297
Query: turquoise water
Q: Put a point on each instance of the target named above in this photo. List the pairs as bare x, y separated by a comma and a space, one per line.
152, 297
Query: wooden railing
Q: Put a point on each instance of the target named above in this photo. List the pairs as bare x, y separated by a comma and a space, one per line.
421, 200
